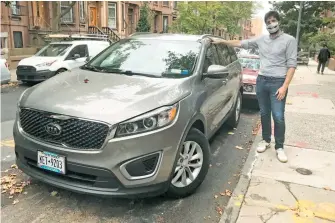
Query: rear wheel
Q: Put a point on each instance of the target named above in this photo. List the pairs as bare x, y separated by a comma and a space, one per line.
192, 165
235, 116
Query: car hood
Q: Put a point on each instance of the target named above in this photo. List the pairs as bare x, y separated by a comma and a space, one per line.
107, 97
249, 76
34, 60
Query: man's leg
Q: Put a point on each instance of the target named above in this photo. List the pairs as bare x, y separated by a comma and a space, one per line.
319, 65
278, 113
323, 65
264, 102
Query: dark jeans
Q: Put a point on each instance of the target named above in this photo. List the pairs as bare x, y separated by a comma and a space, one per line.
266, 88
321, 65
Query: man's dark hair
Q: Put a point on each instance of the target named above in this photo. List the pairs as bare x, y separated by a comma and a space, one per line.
274, 14
324, 45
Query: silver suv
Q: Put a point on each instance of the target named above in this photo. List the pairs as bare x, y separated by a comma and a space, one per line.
134, 121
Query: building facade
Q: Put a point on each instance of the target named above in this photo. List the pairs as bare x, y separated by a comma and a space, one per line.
25, 24
257, 26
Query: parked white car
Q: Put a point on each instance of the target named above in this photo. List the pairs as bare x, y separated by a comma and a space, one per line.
5, 73
58, 57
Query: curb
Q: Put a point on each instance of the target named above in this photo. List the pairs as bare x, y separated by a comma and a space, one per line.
232, 210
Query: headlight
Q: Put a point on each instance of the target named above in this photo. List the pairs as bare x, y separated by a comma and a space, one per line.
148, 122
21, 96
46, 64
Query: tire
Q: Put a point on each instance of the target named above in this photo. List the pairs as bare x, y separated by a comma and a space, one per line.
234, 118
60, 71
177, 189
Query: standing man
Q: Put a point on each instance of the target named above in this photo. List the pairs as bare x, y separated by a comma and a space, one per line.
323, 57
278, 56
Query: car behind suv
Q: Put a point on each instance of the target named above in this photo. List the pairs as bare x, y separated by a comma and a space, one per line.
134, 121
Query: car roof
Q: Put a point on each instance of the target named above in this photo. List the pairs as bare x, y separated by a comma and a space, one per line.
78, 42
170, 36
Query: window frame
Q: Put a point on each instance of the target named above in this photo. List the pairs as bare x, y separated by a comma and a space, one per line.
20, 32
167, 25
165, 3
82, 12
216, 58
69, 57
221, 53
112, 5
15, 8
71, 12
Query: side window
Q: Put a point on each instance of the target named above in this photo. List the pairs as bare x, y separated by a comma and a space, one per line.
223, 52
211, 58
232, 53
80, 49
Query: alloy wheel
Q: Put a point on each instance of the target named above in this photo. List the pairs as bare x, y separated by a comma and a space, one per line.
189, 164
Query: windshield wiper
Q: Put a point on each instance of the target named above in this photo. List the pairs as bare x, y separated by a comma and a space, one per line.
128, 72
91, 68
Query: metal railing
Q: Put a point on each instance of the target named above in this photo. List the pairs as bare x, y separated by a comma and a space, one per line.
112, 35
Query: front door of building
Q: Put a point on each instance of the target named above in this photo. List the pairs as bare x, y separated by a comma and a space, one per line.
130, 21
93, 16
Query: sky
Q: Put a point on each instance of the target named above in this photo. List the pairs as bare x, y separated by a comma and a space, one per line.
261, 13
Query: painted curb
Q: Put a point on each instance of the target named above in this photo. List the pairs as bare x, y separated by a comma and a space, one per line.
232, 210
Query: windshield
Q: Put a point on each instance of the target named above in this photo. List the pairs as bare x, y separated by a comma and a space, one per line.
53, 50
151, 57
250, 63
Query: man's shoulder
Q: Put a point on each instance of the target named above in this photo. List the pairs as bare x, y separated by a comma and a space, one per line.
288, 36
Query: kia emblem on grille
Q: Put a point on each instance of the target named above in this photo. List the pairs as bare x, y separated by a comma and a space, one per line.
53, 129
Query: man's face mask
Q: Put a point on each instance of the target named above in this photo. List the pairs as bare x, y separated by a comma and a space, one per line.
273, 27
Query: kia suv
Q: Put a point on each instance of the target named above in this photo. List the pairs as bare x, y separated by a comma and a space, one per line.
134, 121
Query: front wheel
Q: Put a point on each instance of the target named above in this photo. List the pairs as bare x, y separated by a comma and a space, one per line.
235, 116
192, 165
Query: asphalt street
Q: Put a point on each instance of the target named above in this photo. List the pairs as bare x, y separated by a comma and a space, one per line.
39, 202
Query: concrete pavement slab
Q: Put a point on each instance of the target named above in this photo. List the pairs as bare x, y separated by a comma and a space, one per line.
320, 163
310, 131
310, 105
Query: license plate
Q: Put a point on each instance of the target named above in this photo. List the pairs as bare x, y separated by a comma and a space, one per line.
51, 161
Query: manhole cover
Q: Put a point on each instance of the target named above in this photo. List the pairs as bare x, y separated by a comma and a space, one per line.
304, 171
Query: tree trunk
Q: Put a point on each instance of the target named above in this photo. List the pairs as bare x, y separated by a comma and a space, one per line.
56, 11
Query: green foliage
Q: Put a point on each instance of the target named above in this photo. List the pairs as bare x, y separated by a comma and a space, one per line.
7, 3
143, 23
204, 17
310, 17
321, 38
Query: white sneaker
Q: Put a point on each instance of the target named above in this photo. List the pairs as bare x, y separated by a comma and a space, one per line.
281, 155
262, 146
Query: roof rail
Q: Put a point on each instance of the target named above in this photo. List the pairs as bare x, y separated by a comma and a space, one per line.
139, 33
71, 37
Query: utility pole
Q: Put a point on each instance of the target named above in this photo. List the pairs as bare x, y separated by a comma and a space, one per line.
299, 22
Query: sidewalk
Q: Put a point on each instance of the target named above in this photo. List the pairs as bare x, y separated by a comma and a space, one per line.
302, 190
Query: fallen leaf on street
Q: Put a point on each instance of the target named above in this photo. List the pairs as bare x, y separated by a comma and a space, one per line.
231, 133
228, 193
54, 193
10, 197
219, 210
25, 192
15, 201
222, 194
327, 188
238, 147
14, 166
210, 165
3, 191
229, 182
215, 196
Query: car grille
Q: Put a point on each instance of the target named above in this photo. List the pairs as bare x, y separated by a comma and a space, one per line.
75, 133
21, 70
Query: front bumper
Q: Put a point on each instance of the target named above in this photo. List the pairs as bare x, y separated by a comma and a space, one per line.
101, 172
34, 76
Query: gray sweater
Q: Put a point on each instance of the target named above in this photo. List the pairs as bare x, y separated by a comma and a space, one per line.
276, 54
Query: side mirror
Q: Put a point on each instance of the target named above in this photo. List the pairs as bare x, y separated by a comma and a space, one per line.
88, 59
217, 72
76, 56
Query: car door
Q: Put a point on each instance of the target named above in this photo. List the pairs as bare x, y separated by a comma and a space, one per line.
235, 75
215, 91
73, 62
226, 60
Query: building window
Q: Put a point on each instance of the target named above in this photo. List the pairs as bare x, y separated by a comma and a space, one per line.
165, 3
68, 17
15, 8
37, 8
165, 24
112, 15
18, 41
155, 2
82, 11
175, 4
